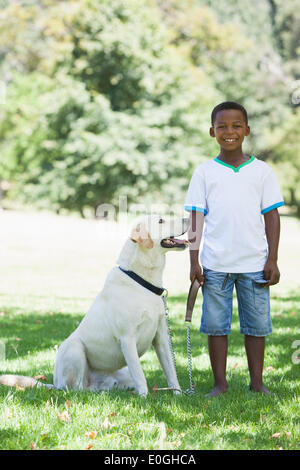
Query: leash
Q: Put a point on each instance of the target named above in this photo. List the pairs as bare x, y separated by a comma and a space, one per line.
164, 297
188, 319
160, 291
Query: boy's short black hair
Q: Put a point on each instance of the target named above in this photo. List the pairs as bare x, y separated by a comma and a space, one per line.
228, 105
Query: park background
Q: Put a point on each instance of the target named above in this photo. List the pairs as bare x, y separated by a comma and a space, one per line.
105, 101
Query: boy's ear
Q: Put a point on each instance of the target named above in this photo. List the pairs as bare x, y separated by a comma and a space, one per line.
247, 130
212, 132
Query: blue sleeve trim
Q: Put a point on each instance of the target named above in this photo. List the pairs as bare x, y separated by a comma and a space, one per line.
195, 208
274, 206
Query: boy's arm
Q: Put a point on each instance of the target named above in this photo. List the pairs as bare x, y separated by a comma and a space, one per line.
194, 237
272, 226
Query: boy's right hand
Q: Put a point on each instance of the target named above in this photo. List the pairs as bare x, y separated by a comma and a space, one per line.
196, 273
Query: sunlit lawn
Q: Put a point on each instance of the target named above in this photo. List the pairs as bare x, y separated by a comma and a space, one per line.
34, 321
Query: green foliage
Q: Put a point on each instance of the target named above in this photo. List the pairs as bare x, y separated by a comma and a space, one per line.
287, 159
233, 45
121, 115
286, 24
106, 98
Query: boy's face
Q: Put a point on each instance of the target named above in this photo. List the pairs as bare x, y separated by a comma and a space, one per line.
230, 129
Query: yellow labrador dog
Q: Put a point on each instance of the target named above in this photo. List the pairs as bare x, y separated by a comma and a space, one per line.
126, 317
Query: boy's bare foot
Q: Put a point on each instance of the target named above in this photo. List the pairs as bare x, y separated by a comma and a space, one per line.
259, 388
216, 391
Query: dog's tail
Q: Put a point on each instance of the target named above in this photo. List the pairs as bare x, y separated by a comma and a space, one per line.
22, 381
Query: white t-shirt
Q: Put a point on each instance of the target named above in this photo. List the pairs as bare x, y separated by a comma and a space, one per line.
233, 201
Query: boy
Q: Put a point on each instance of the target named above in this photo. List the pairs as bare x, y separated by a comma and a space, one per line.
232, 192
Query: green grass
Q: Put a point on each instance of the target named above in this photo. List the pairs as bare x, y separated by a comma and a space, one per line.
33, 326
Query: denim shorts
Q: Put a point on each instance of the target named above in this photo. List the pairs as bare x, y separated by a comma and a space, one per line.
253, 303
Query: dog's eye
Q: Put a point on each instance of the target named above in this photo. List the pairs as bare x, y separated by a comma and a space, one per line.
161, 221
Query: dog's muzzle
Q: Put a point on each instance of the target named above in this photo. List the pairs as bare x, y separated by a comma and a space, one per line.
172, 242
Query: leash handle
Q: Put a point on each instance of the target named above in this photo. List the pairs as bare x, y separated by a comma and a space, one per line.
191, 390
191, 300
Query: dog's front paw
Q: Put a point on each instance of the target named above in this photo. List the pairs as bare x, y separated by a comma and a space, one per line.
176, 389
143, 392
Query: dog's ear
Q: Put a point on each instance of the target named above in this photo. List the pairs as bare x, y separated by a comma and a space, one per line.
141, 236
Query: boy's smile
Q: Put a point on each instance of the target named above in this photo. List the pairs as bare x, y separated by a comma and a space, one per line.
230, 129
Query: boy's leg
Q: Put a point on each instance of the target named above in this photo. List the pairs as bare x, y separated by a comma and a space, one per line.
216, 323
255, 321
217, 347
255, 350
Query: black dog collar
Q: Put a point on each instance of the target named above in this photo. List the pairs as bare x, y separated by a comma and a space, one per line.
156, 290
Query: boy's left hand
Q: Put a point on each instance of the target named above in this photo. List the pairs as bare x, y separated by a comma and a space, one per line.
271, 273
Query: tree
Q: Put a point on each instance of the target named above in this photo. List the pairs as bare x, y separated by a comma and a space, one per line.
232, 43
286, 27
111, 119
106, 97
285, 147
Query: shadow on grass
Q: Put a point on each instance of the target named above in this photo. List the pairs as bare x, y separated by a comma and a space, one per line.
25, 333
6, 435
39, 331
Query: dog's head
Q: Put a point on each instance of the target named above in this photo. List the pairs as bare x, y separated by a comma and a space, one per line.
157, 231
